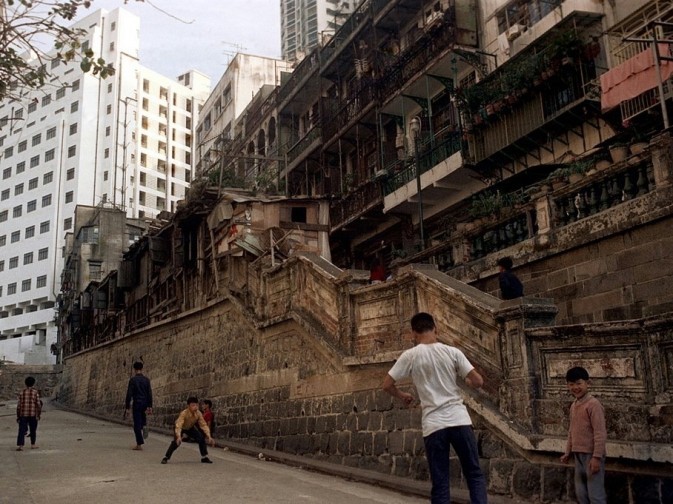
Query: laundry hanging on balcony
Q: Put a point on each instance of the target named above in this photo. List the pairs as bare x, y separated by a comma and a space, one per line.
633, 77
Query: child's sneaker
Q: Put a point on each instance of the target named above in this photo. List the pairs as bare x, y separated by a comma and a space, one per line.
206, 460
164, 460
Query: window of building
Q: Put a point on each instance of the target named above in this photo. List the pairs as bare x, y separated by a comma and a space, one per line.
70, 174
60, 93
72, 151
3, 240
75, 84
16, 211
32, 183
6, 173
73, 128
113, 26
14, 262
67, 223
107, 131
41, 281
25, 285
109, 88
37, 139
105, 175
34, 161
28, 258
74, 107
18, 189
44, 227
20, 167
11, 288
9, 152
49, 155
46, 200
16, 236
108, 109
32, 107
106, 153
30, 232
3, 215
48, 177
42, 254
112, 46
31, 206
5, 195
89, 234
51, 133
46, 100
2, 265
23, 145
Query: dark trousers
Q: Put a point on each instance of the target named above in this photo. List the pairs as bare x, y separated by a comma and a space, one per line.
197, 436
139, 421
437, 451
24, 423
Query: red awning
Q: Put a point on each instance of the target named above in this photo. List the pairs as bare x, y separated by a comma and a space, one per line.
633, 77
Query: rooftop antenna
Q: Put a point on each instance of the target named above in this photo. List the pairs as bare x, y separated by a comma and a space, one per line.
233, 50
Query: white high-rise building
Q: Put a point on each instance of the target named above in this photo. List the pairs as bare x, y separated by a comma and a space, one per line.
304, 24
125, 141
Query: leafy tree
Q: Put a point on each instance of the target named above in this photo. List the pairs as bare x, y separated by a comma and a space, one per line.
26, 28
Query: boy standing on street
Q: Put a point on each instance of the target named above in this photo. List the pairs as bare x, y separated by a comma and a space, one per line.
186, 423
435, 369
28, 411
140, 391
587, 435
208, 414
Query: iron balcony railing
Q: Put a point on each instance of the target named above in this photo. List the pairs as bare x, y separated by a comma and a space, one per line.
403, 172
356, 203
298, 148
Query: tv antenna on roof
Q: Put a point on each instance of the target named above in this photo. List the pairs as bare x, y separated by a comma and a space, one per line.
233, 50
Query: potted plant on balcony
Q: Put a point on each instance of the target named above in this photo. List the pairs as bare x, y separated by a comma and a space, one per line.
618, 151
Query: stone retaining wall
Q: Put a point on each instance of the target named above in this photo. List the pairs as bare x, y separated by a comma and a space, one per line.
13, 376
278, 387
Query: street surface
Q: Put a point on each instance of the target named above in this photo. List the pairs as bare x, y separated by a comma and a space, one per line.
85, 460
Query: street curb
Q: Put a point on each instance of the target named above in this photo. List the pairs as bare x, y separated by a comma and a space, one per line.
396, 483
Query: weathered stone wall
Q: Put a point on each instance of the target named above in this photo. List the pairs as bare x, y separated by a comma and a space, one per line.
276, 386
12, 379
623, 276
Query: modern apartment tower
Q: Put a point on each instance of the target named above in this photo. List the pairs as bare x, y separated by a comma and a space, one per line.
124, 142
305, 24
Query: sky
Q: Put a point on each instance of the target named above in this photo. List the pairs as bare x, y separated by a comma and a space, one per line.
205, 34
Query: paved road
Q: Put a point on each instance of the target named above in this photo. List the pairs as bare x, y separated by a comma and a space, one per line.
84, 460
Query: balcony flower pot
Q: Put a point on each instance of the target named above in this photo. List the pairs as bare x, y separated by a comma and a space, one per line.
511, 98
490, 109
618, 152
638, 147
602, 164
575, 177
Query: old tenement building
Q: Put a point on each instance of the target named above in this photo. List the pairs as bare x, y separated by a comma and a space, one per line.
438, 137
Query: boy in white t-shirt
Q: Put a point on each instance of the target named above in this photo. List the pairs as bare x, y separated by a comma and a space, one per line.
435, 369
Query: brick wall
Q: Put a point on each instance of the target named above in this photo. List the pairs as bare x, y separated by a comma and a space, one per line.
12, 379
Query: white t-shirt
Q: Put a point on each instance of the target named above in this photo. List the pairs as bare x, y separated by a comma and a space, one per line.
435, 369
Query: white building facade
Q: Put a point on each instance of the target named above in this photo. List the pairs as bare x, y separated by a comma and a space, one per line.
125, 141
304, 24
244, 77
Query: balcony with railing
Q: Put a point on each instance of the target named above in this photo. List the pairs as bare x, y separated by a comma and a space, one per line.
345, 34
305, 145
356, 203
308, 66
430, 45
340, 114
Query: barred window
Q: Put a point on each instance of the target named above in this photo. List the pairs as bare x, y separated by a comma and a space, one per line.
5, 195
25, 285
30, 232
28, 258
42, 254
37, 139
47, 177
32, 183
51, 133
14, 262
68, 197
67, 223
44, 227
3, 215
16, 236
49, 155
46, 200
31, 206
11, 288
16, 211
23, 145
34, 161
18, 189
21, 167
41, 281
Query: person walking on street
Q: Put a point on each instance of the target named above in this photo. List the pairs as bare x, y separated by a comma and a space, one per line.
28, 412
140, 392
187, 423
435, 369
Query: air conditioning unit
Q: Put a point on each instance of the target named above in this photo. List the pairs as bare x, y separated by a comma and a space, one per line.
515, 31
